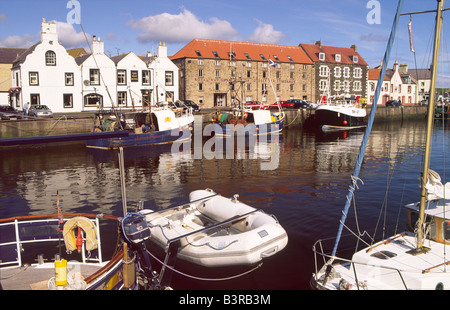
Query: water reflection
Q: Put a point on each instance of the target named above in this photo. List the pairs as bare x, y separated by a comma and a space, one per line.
301, 177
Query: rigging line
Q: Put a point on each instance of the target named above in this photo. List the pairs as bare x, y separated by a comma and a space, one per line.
371, 116
92, 54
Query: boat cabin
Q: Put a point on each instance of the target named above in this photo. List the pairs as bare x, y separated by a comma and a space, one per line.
437, 219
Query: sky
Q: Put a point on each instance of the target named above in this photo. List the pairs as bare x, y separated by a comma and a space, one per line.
139, 25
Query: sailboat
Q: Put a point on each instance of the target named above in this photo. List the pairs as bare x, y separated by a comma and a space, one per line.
414, 259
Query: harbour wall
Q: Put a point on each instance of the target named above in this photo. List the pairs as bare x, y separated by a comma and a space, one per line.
82, 122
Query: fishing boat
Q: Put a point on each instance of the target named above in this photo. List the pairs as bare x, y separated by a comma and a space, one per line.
339, 113
415, 258
238, 122
212, 230
159, 125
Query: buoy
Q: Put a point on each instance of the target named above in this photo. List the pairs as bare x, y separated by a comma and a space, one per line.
61, 272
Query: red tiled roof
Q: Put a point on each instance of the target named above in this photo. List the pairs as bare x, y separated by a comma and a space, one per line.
253, 50
375, 73
346, 53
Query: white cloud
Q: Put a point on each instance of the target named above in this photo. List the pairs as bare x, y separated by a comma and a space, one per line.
181, 28
265, 33
24, 41
69, 37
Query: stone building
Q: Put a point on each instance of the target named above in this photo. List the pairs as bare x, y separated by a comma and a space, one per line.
7, 57
218, 73
337, 71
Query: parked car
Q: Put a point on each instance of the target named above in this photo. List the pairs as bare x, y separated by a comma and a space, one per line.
40, 111
9, 113
393, 103
283, 104
189, 104
252, 105
298, 103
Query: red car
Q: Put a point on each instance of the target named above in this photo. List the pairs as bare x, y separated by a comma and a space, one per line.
283, 104
254, 105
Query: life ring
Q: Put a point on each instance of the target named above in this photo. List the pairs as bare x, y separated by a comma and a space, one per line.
245, 115
72, 236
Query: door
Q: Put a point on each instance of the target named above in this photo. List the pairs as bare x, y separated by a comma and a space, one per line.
35, 99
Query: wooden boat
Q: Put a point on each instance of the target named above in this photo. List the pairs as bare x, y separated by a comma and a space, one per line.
161, 125
414, 259
214, 231
82, 267
249, 122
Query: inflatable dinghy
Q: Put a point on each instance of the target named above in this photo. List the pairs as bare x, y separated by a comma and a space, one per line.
213, 230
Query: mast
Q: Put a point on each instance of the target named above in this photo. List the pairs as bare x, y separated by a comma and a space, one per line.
426, 164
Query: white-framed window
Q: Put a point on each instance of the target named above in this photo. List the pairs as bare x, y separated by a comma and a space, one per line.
323, 85
50, 58
68, 78
357, 86
200, 62
122, 98
33, 78
346, 72
321, 56
94, 76
249, 64
217, 62
337, 72
337, 57
121, 77
357, 73
169, 78
146, 77
324, 71
232, 64
355, 59
337, 85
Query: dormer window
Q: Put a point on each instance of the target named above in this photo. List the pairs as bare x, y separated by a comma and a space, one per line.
262, 57
337, 57
355, 59
276, 57
248, 57
50, 58
290, 59
198, 54
321, 56
216, 54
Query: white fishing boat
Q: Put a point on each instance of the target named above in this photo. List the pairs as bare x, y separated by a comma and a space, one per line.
415, 259
213, 230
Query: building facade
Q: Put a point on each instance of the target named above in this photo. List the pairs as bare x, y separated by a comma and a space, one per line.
7, 57
337, 71
397, 85
217, 73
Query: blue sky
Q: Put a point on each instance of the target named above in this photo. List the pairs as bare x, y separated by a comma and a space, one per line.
138, 25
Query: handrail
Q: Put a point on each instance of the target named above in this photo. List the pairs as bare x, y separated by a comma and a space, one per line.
105, 268
31, 217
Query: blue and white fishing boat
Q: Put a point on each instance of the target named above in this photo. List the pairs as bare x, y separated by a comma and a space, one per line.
160, 125
411, 260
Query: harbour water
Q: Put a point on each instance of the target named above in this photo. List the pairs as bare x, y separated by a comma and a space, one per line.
301, 178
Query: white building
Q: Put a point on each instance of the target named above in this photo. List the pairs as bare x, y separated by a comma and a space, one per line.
46, 74
397, 85
98, 74
134, 82
165, 76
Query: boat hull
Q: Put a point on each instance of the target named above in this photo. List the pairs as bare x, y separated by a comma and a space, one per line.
335, 117
142, 139
251, 129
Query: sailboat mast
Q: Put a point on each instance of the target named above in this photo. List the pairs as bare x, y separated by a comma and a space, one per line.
426, 164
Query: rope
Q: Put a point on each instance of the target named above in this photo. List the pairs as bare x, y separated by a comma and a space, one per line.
204, 279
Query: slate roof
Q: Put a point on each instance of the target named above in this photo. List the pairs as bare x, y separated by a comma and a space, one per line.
8, 55
222, 48
347, 53
420, 74
24, 55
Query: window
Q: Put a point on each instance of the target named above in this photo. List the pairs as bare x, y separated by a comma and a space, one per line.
146, 77
198, 53
322, 85
93, 100
232, 55
249, 73
291, 75
355, 59
94, 76
337, 57
134, 76
121, 77
290, 59
50, 58
248, 57
68, 100
122, 98
200, 62
276, 57
278, 74
200, 72
321, 56
34, 78
217, 86
337, 72
324, 71
217, 73
217, 62
357, 85
346, 72
69, 79
337, 85
232, 64
357, 73
169, 78
291, 87
215, 54
200, 86
262, 57
249, 87
248, 64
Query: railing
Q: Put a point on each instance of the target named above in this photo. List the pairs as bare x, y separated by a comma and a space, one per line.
318, 250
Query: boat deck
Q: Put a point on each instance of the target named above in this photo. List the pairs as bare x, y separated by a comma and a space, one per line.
36, 277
